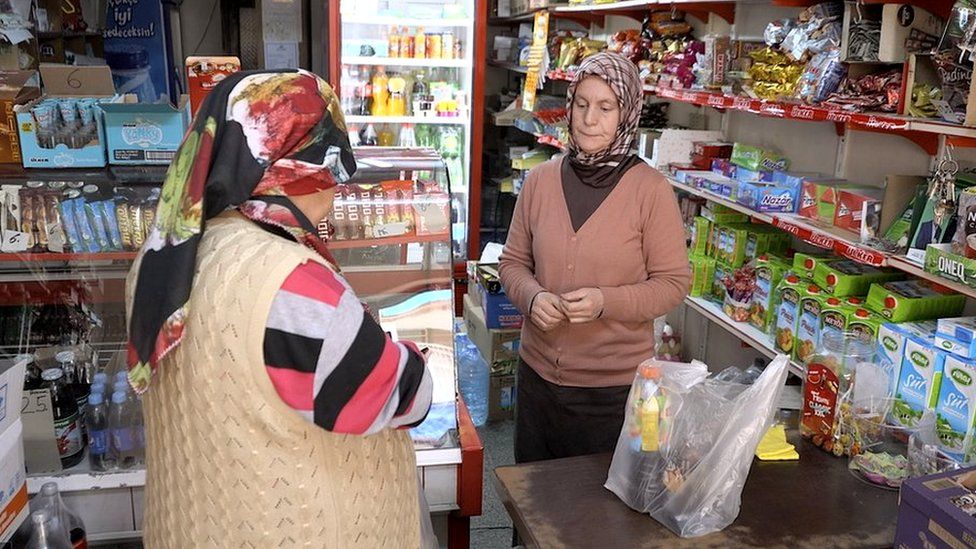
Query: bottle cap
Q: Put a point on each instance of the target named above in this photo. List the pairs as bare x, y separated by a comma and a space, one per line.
121, 376
118, 397
122, 386
49, 488
28, 357
98, 388
52, 374
101, 377
94, 399
65, 356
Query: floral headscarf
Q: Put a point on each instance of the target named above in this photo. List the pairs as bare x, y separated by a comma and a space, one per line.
605, 168
258, 138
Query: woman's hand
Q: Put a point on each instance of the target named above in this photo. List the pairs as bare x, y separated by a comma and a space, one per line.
583, 305
547, 312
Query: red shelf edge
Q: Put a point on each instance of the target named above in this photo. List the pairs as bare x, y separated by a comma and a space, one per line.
31, 257
389, 241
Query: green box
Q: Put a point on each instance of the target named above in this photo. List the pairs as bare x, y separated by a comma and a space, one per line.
833, 316
940, 260
770, 270
845, 277
805, 264
865, 325
757, 158
907, 300
702, 274
700, 232
808, 325
787, 313
723, 215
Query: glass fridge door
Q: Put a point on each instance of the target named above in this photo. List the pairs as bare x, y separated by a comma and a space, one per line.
392, 238
405, 80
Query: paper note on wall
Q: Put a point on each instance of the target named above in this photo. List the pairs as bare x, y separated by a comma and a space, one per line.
281, 55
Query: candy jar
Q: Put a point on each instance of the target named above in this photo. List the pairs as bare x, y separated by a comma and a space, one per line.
829, 378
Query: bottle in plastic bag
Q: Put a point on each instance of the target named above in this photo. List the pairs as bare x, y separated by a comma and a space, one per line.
100, 454
473, 378
46, 532
123, 441
62, 518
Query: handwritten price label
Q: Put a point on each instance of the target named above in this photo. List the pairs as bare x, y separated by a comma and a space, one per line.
14, 241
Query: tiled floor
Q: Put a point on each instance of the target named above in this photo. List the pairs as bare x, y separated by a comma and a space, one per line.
493, 529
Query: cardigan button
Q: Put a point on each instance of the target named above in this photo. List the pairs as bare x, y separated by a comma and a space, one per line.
570, 267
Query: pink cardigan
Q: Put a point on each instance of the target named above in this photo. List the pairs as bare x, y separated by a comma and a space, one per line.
632, 248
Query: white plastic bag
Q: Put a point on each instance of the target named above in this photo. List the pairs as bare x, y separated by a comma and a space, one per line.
687, 443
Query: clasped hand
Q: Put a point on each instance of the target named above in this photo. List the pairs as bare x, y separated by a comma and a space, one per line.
583, 305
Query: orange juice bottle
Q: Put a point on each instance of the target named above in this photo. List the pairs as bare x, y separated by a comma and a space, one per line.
420, 44
394, 43
381, 93
397, 105
406, 43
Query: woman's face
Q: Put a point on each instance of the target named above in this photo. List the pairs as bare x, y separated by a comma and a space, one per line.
596, 115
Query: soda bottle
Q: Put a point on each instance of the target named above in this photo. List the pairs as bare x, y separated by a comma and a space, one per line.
77, 385
406, 44
123, 441
67, 430
419, 93
100, 454
353, 132
407, 137
49, 499
394, 42
365, 99
398, 96
386, 137
369, 137
347, 90
381, 92
46, 532
32, 380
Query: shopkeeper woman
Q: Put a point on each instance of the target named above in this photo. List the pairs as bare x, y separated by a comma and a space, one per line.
596, 251
274, 404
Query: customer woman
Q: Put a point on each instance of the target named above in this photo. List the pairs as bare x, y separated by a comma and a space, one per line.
595, 252
273, 401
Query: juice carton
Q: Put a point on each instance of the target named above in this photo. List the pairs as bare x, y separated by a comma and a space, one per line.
700, 231
891, 344
808, 326
846, 277
865, 325
903, 300
769, 272
716, 213
722, 270
787, 313
805, 264
919, 381
702, 273
956, 408
957, 335
833, 316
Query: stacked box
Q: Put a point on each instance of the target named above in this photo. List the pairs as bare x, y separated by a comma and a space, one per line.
757, 158
845, 278
904, 300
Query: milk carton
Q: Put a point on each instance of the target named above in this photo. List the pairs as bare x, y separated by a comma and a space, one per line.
958, 336
919, 380
956, 408
891, 345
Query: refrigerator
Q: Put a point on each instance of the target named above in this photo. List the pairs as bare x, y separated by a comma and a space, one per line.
406, 77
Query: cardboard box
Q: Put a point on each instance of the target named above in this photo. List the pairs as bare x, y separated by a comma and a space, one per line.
142, 133
769, 197
499, 311
13, 91
712, 149
13, 476
757, 158
850, 207
724, 167
920, 68
204, 73
63, 81
500, 348
501, 398
745, 174
937, 511
819, 198
907, 29
957, 336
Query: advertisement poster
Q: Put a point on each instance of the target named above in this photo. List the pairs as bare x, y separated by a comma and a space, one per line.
135, 48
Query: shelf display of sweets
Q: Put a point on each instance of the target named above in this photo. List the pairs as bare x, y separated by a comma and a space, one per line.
417, 43
72, 122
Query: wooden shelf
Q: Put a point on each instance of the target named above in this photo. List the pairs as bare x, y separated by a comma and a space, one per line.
746, 332
389, 241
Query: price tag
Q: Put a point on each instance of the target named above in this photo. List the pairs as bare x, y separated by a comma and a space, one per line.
40, 446
389, 230
55, 238
14, 241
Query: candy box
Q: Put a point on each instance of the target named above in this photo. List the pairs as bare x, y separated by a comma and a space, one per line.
852, 204
957, 335
864, 324
757, 158
955, 408
712, 149
722, 186
768, 197
499, 311
903, 300
683, 173
204, 73
845, 277
919, 380
701, 162
795, 179
724, 167
769, 272
808, 326
787, 313
762, 239
819, 197
700, 232
891, 344
937, 511
722, 215
145, 133
805, 265
941, 260
14, 90
745, 174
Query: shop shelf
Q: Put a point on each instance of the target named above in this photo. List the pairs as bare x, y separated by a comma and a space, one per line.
905, 264
508, 66
389, 241
66, 257
746, 332
407, 62
81, 477
520, 18
765, 218
439, 120
389, 21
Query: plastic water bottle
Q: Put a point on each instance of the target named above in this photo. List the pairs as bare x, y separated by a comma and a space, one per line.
46, 532
119, 422
100, 454
473, 374
138, 426
101, 378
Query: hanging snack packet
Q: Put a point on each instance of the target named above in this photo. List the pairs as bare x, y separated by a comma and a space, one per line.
70, 224
96, 220
84, 227
136, 225
55, 228
107, 207
27, 225
125, 224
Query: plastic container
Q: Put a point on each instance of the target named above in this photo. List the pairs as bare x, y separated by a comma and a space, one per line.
101, 457
924, 456
123, 439
130, 73
879, 454
473, 378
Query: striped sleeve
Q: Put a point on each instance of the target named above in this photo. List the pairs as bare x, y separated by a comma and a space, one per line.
330, 361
